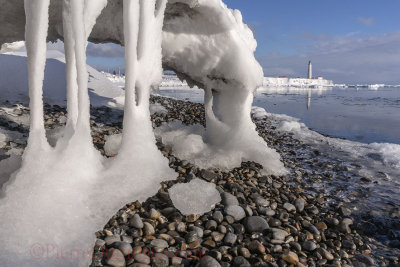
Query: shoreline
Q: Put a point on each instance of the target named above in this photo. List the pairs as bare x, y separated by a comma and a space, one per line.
315, 223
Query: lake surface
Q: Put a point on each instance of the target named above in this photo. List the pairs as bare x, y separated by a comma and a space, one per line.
361, 115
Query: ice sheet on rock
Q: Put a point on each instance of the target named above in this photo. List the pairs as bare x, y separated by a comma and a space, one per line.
196, 197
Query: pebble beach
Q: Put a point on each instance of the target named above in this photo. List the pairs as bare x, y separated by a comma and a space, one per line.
306, 218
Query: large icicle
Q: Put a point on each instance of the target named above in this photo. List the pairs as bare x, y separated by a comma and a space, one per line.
91, 10
71, 73
37, 15
139, 162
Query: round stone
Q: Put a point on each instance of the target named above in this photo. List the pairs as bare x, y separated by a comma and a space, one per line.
290, 257
240, 261
209, 262
218, 216
236, 212
230, 239
142, 258
255, 224
289, 207
148, 229
299, 204
229, 199
124, 247
136, 221
115, 258
279, 234
309, 246
262, 202
154, 214
159, 243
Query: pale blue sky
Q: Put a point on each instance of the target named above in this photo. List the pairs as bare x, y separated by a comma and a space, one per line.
349, 41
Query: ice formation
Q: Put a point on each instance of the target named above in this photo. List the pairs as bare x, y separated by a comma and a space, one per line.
62, 195
195, 197
194, 45
52, 202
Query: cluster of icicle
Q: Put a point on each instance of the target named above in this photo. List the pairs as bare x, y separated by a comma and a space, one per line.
62, 195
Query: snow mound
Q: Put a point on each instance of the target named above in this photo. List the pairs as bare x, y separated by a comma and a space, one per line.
189, 143
196, 197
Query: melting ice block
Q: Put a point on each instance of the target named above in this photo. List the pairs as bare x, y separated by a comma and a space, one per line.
196, 197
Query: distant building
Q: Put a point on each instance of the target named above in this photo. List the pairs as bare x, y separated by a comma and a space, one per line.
309, 70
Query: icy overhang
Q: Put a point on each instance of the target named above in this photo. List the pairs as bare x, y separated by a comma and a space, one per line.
203, 41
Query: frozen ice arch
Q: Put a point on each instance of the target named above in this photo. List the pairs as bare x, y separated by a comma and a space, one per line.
204, 42
66, 193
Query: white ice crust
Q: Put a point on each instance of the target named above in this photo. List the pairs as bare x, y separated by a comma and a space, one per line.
195, 197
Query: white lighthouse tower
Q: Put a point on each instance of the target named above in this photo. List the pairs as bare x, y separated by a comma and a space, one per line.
309, 70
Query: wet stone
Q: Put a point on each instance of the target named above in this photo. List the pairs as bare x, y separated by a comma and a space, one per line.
255, 224
209, 262
159, 243
230, 239
218, 216
289, 207
262, 202
115, 258
309, 246
299, 204
279, 234
290, 257
240, 262
124, 247
136, 221
236, 212
148, 229
229, 199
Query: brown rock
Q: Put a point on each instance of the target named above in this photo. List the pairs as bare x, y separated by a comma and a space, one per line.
192, 218
256, 246
290, 257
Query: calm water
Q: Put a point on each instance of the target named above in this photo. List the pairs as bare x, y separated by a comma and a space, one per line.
362, 115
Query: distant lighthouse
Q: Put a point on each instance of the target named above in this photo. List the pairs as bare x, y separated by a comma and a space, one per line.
309, 70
